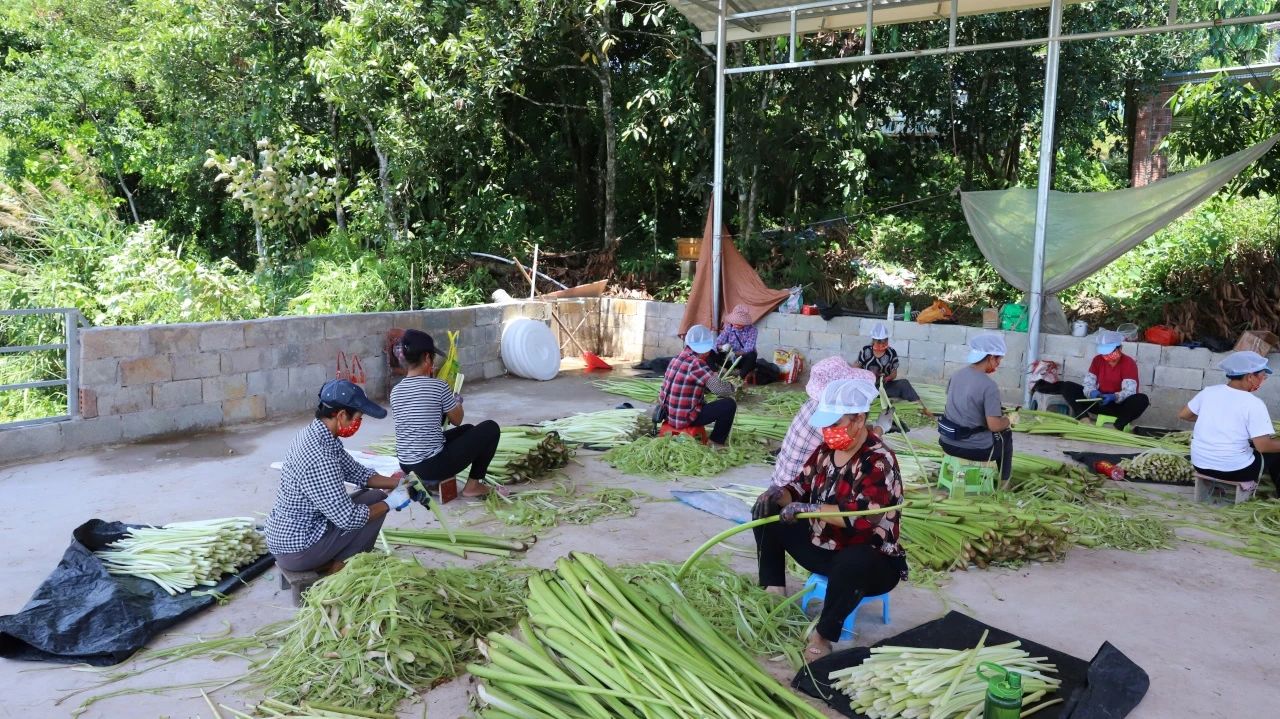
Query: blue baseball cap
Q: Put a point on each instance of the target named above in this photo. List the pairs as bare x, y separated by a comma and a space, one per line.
344, 394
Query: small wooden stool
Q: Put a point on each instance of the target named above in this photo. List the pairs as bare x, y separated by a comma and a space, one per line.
1209, 489
695, 431
299, 582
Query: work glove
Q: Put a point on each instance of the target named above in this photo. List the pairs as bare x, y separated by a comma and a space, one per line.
398, 499
790, 511
767, 503
1108, 398
398, 476
1094, 394
725, 348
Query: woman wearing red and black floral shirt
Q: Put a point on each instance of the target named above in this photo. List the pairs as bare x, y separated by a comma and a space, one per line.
852, 470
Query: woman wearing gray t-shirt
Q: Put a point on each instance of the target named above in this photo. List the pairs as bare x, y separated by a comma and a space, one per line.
973, 426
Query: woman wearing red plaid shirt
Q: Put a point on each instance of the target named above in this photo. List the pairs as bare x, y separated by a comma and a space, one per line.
851, 471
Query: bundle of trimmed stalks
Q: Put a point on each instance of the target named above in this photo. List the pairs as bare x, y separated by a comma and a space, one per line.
526, 454
183, 555
923, 683
595, 645
607, 428
1059, 425
952, 533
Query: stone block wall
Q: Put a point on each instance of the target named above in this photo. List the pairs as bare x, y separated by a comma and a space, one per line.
149, 381
932, 353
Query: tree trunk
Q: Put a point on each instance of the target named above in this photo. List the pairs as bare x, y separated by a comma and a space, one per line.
339, 212
1131, 124
133, 209
605, 78
261, 243
384, 180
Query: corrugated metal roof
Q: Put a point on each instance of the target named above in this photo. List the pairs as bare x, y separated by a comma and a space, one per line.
840, 16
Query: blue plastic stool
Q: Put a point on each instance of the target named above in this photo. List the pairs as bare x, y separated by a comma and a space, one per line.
816, 588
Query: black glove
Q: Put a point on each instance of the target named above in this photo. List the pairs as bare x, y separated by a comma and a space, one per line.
767, 503
790, 511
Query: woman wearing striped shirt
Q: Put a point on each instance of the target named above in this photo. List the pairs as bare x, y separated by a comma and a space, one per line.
421, 403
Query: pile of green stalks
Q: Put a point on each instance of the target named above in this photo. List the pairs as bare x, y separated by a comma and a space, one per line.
607, 428
776, 401
459, 543
924, 683
272, 709
675, 456
539, 509
950, 534
765, 624
1160, 466
1031, 475
1252, 530
764, 426
526, 454
1060, 425
184, 555
636, 388
1104, 526
384, 628
595, 645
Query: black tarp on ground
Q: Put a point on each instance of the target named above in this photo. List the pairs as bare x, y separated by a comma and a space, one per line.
83, 614
1108, 687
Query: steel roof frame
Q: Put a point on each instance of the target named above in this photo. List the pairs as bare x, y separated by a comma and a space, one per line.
729, 11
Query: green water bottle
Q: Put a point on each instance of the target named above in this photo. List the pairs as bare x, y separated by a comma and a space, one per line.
906, 313
1004, 692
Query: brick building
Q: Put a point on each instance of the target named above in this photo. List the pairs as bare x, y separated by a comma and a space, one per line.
1155, 118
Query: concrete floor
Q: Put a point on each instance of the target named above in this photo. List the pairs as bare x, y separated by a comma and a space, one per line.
1197, 619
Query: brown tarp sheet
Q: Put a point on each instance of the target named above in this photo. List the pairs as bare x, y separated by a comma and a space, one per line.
742, 286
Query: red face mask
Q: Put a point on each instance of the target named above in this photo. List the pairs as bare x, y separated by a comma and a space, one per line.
350, 429
837, 438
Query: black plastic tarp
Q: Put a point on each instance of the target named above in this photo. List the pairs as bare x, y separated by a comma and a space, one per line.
1108, 687
83, 614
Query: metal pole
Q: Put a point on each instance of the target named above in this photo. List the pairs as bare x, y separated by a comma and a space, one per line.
1036, 301
951, 28
792, 45
533, 276
717, 183
871, 8
71, 322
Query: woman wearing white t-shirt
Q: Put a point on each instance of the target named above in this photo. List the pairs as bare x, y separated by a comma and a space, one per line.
1233, 437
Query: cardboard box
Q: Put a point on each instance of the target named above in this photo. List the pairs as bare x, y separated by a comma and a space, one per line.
1259, 341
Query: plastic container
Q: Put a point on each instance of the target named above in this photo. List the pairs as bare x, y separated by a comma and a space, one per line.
1079, 328
1004, 692
906, 313
888, 317
1129, 330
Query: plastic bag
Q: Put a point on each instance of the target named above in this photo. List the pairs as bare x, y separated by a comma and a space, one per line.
794, 302
1161, 335
939, 310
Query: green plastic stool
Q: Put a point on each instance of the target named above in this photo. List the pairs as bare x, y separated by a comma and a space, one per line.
1104, 418
973, 477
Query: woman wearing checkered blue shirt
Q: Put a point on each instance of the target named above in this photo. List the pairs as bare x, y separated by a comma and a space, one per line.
421, 403
315, 525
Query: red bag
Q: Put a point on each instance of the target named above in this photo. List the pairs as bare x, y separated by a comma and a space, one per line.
1162, 335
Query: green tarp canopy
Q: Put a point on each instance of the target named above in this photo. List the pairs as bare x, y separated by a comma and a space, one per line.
1087, 230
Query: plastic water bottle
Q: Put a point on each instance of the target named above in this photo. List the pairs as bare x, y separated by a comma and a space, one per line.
889, 315
906, 313
1004, 692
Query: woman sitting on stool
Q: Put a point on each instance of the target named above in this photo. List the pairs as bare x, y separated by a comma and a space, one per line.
851, 471
1110, 386
737, 339
881, 359
1233, 436
973, 426
421, 403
